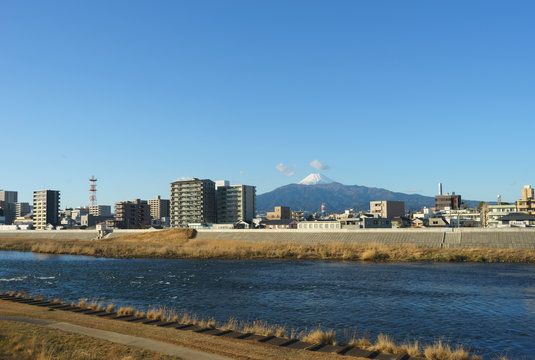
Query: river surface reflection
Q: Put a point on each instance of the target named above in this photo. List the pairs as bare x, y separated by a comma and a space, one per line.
487, 307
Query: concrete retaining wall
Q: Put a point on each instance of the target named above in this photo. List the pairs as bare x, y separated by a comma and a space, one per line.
465, 238
458, 238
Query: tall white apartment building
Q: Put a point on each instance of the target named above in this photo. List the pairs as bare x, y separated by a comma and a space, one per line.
235, 203
45, 208
159, 208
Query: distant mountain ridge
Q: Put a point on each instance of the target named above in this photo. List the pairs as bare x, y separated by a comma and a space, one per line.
338, 197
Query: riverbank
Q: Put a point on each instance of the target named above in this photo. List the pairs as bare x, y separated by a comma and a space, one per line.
27, 341
311, 341
187, 244
227, 347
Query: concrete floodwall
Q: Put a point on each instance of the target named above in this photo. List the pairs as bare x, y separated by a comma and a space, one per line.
513, 238
436, 238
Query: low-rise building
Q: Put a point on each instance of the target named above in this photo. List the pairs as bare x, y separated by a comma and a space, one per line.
279, 213
279, 224
387, 209
319, 225
375, 223
494, 212
90, 220
517, 219
462, 217
401, 222
420, 222
437, 222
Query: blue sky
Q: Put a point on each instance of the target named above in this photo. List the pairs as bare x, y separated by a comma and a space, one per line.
391, 94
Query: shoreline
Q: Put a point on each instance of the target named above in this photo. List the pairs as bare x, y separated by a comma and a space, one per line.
305, 342
189, 244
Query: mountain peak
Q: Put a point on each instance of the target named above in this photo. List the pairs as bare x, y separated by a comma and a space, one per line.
315, 179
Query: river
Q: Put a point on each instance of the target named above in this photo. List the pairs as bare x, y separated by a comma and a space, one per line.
489, 308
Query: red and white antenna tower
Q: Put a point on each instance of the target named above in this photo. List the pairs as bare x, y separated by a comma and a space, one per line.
92, 191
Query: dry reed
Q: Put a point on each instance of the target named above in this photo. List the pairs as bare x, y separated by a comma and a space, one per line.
123, 311
319, 336
178, 243
442, 351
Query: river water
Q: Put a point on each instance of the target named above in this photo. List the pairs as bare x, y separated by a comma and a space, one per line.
489, 308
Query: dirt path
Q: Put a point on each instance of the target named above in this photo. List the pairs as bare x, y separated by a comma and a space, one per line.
139, 342
189, 340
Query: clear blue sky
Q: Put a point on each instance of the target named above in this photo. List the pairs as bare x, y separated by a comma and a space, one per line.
391, 94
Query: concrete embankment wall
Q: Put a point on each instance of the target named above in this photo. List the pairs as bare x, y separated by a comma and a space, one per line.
437, 238
519, 238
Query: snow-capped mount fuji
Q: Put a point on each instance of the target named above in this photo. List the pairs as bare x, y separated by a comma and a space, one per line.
315, 179
310, 193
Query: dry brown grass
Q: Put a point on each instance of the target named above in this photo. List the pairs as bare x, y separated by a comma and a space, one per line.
123, 311
260, 327
436, 351
442, 351
319, 336
25, 342
179, 243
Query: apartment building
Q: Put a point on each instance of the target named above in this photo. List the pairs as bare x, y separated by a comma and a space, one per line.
100, 210
133, 214
387, 209
192, 201
298, 215
527, 203
235, 203
8, 196
159, 208
447, 201
7, 205
22, 208
45, 208
279, 213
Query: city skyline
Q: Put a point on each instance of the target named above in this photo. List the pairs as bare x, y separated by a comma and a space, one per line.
393, 95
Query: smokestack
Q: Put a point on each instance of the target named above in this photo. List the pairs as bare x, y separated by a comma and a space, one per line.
440, 188
499, 199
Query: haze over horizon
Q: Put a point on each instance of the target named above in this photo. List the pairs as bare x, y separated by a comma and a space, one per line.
393, 95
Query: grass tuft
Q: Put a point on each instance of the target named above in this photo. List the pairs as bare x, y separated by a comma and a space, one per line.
319, 336
442, 351
123, 311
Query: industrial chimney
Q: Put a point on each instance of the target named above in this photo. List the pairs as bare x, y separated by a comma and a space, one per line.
440, 188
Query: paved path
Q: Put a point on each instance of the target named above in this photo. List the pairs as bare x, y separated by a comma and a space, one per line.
143, 343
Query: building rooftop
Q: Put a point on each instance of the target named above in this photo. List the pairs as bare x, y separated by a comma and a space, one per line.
517, 216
